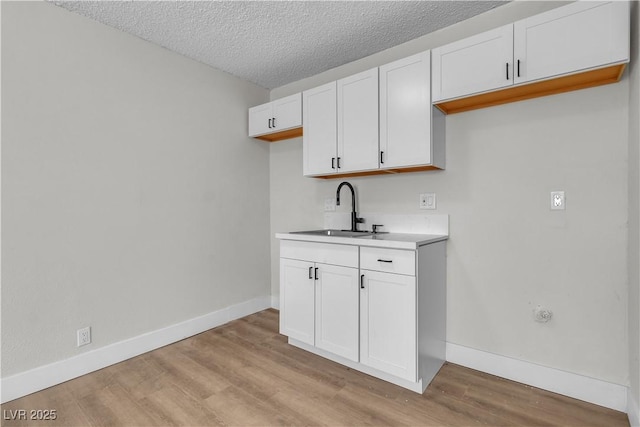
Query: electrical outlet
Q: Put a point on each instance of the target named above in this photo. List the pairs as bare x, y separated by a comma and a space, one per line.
84, 336
542, 314
427, 201
329, 205
557, 200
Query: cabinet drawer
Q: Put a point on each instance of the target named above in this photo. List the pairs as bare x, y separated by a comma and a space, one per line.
325, 253
388, 260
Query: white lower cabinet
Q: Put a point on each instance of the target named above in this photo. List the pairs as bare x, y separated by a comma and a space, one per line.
297, 299
388, 323
381, 311
319, 296
336, 313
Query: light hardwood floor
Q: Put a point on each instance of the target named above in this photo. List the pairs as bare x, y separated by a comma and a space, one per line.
244, 373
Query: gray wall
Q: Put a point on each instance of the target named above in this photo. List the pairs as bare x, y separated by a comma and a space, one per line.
132, 198
634, 214
508, 252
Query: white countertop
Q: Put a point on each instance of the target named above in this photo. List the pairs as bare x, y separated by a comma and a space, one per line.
380, 240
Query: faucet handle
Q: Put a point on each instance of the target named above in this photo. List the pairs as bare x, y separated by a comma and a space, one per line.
374, 227
360, 220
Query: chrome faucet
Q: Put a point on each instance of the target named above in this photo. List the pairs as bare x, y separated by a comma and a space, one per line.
354, 216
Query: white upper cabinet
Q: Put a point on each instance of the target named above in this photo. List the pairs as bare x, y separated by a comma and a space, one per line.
580, 45
406, 121
287, 112
476, 64
378, 121
319, 141
575, 37
260, 119
276, 118
358, 122
341, 126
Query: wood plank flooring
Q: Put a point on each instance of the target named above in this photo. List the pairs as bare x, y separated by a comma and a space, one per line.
245, 374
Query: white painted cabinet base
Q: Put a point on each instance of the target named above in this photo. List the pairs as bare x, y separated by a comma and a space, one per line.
417, 386
381, 311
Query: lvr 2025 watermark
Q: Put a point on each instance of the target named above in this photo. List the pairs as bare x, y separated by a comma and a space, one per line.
30, 414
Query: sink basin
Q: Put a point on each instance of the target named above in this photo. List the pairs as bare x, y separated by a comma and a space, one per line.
334, 233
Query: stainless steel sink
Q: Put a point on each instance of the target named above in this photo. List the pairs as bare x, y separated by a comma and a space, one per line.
334, 233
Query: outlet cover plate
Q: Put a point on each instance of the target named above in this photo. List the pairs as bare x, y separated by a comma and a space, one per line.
557, 201
329, 205
84, 336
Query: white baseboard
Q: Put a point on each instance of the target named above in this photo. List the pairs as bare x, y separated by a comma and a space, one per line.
633, 412
275, 302
42, 377
590, 390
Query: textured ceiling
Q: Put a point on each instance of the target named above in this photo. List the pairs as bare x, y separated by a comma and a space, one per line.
272, 43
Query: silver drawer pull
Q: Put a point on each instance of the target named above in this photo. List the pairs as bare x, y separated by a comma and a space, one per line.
385, 260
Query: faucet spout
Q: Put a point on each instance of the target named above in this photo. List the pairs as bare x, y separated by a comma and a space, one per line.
354, 216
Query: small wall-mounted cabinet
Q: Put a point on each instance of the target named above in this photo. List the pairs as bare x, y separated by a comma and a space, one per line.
277, 120
572, 47
377, 121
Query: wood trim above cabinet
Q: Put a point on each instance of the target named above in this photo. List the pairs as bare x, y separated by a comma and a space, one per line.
592, 78
280, 136
379, 172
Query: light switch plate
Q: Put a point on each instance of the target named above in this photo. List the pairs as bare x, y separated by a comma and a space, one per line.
557, 201
427, 201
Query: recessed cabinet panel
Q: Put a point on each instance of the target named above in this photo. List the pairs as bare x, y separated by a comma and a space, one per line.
568, 39
336, 310
358, 122
475, 64
297, 300
319, 141
388, 323
405, 112
287, 112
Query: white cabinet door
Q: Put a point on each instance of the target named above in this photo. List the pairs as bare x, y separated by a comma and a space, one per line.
319, 140
388, 323
276, 116
337, 310
260, 119
476, 64
405, 112
287, 112
358, 122
571, 38
297, 300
